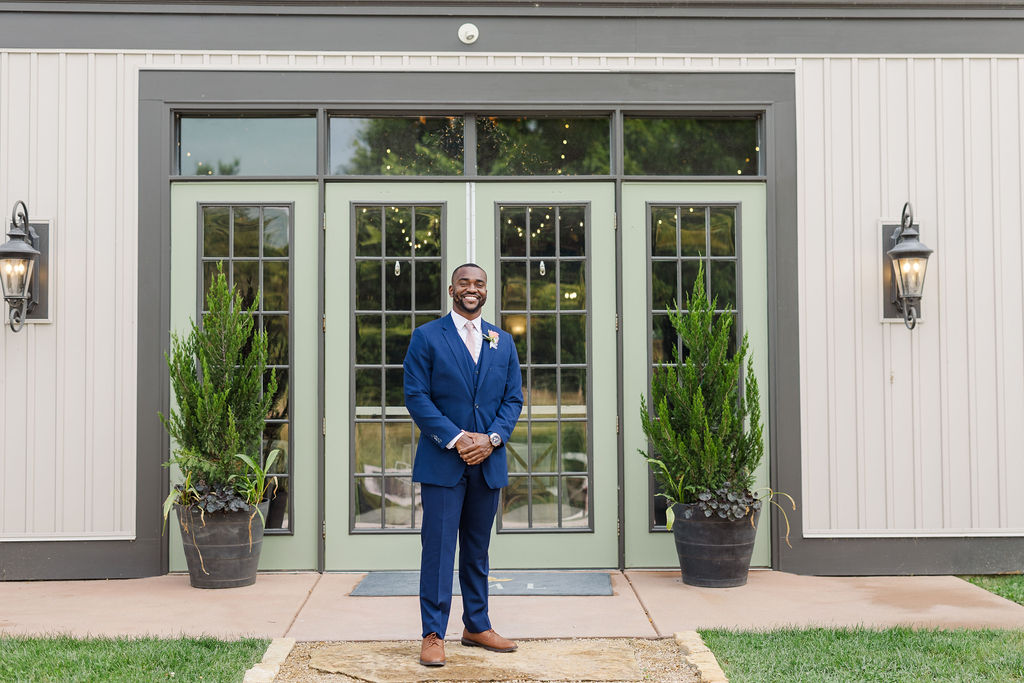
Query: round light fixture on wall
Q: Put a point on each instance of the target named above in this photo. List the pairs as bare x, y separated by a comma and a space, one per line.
468, 33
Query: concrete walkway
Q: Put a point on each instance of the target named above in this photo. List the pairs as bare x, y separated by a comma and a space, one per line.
646, 604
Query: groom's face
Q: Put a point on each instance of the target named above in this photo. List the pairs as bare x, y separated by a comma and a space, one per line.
468, 291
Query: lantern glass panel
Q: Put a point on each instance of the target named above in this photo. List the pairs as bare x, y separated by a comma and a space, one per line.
15, 275
910, 273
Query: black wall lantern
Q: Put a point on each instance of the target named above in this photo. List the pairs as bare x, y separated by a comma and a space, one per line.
18, 258
909, 260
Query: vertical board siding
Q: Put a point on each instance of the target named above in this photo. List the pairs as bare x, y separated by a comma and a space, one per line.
903, 433
906, 433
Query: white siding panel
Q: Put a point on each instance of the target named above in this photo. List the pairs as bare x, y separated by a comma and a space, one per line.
903, 433
914, 423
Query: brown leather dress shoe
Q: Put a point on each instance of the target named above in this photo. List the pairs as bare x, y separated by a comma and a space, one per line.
432, 651
488, 640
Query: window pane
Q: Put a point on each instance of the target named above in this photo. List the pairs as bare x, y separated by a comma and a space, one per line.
516, 448
572, 231
398, 447
367, 392
279, 402
542, 286
368, 453
513, 230
368, 285
690, 146
396, 343
216, 225
545, 502
402, 506
428, 230
723, 231
428, 285
277, 516
723, 284
398, 230
275, 286
575, 509
574, 393
247, 231
543, 447
368, 502
515, 499
398, 285
663, 339
663, 231
527, 146
543, 342
368, 339
692, 238
275, 232
543, 393
513, 286
394, 391
247, 146
421, 145
574, 447
574, 338
516, 325
247, 280
574, 286
542, 230
663, 285
368, 230
276, 327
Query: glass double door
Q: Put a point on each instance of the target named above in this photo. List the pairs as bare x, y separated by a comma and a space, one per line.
549, 251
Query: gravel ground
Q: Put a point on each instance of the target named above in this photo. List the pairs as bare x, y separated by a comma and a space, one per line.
659, 660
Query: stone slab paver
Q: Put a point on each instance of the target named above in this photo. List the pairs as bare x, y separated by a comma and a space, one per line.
774, 599
533, 661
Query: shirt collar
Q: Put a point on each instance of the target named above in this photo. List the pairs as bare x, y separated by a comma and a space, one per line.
460, 321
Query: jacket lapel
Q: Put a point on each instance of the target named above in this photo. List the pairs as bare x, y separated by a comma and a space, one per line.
486, 352
460, 354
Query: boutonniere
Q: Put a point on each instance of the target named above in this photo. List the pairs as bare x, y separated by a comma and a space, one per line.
492, 338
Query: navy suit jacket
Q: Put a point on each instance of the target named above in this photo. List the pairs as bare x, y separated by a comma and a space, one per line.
446, 392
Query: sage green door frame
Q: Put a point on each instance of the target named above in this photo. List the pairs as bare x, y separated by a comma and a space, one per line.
644, 547
468, 236
296, 549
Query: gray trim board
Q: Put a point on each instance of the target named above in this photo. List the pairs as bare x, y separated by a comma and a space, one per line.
945, 29
161, 91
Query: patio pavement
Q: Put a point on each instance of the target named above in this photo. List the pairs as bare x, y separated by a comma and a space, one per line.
645, 604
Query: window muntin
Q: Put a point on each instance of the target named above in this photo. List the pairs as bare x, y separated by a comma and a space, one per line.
253, 243
539, 146
682, 238
397, 146
690, 146
543, 304
398, 286
219, 145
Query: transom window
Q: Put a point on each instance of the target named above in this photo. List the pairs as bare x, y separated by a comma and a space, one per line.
253, 242
543, 303
398, 286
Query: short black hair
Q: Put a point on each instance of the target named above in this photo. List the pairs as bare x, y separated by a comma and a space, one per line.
466, 265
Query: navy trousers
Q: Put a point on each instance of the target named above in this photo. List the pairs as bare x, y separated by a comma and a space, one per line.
463, 513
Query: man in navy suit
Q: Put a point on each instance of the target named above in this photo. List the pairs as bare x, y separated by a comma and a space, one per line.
464, 389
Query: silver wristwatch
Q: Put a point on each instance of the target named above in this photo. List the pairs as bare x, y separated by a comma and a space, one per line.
495, 439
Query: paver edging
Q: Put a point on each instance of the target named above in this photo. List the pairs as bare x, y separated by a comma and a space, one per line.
698, 655
266, 670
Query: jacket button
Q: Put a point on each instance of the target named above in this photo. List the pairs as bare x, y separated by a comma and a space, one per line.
476, 405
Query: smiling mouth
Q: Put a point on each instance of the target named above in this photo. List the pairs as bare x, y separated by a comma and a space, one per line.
470, 299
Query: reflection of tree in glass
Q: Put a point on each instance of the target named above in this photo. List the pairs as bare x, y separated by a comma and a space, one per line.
404, 146
690, 146
542, 146
222, 167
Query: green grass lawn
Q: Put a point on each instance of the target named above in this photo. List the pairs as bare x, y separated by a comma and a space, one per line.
1010, 586
847, 655
63, 659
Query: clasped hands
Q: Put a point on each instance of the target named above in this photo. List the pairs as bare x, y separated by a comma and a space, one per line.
474, 447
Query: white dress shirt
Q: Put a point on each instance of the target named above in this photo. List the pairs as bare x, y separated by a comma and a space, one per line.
461, 324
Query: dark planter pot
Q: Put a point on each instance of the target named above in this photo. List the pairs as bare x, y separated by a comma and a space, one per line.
713, 552
217, 547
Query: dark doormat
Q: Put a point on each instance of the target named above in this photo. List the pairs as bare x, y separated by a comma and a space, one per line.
376, 584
